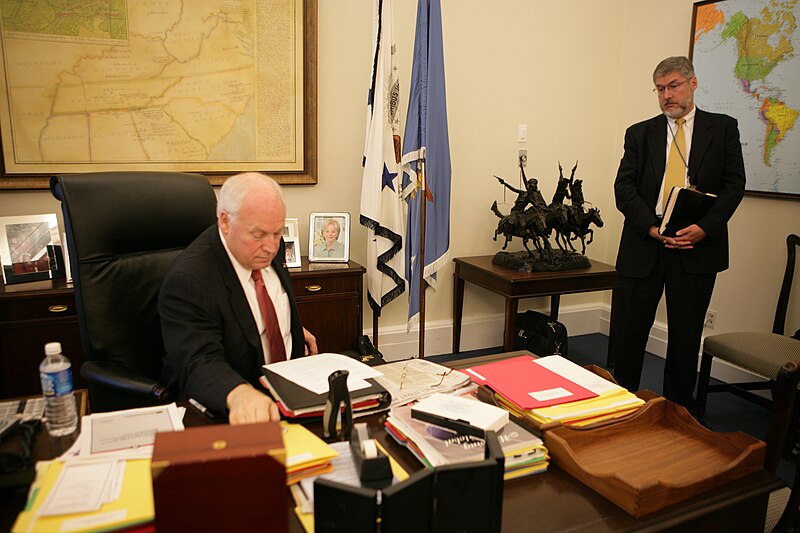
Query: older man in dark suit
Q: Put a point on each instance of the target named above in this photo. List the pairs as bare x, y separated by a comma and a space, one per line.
227, 305
698, 149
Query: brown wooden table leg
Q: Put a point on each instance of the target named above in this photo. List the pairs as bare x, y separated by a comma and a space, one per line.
555, 300
458, 307
510, 330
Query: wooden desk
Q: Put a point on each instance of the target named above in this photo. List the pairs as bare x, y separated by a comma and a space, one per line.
514, 286
552, 501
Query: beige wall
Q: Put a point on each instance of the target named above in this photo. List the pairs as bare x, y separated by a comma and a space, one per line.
578, 73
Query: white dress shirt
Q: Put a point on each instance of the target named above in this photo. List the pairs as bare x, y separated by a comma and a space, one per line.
280, 300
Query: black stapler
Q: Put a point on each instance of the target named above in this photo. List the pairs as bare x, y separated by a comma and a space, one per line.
337, 420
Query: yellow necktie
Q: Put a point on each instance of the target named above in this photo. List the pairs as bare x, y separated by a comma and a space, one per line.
675, 175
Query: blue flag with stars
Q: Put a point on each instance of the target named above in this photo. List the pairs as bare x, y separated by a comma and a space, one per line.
426, 137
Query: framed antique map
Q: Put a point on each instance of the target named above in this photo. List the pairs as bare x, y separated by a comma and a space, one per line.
208, 86
748, 66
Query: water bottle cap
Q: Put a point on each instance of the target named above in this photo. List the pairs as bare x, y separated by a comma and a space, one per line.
52, 348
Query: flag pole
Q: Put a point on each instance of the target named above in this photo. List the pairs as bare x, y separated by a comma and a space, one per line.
422, 215
375, 329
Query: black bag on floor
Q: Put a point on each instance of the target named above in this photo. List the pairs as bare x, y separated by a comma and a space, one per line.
540, 335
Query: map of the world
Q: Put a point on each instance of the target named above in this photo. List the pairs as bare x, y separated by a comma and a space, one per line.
151, 85
745, 53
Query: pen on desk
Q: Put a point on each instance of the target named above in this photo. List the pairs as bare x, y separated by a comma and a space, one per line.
200, 407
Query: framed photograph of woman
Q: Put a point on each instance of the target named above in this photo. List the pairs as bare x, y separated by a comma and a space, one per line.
292, 251
329, 237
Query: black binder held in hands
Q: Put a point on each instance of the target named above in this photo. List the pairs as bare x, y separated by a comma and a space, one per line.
685, 206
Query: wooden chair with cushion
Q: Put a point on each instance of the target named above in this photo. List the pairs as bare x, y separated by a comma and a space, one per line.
783, 441
760, 353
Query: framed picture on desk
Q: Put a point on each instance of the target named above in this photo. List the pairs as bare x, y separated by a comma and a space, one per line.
329, 237
292, 252
30, 248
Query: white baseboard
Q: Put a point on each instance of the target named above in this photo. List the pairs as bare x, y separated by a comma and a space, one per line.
486, 331
480, 332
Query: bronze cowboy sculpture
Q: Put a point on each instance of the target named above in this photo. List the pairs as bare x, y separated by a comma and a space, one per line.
533, 220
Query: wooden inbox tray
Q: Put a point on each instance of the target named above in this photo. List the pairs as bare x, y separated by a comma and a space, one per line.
654, 459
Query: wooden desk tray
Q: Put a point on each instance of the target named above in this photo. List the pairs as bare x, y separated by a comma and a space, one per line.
657, 457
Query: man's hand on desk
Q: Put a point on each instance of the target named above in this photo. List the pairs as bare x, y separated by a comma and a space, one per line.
246, 405
311, 343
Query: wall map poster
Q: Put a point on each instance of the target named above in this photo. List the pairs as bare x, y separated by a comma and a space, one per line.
176, 85
746, 54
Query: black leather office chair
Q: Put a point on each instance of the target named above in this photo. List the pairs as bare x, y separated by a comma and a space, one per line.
124, 230
759, 352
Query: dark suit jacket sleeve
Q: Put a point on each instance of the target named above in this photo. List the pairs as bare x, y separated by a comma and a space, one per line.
194, 330
635, 195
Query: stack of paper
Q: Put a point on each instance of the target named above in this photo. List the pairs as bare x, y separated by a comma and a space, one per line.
436, 446
413, 379
103, 482
343, 471
300, 386
554, 389
306, 454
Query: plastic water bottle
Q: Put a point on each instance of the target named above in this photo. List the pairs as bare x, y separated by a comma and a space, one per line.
59, 401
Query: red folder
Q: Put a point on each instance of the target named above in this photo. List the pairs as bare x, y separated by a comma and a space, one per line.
526, 384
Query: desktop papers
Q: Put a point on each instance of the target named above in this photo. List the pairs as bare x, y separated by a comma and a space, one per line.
128, 434
606, 399
306, 454
413, 379
293, 384
461, 414
103, 481
54, 502
312, 372
435, 446
528, 384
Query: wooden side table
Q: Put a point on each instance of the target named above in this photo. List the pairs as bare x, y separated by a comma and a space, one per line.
31, 315
514, 286
329, 297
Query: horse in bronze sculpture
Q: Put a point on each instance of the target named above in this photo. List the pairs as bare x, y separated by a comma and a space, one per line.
579, 227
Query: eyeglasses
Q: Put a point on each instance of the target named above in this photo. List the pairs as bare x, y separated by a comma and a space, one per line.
660, 89
440, 375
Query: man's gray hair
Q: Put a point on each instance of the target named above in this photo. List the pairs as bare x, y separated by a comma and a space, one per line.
238, 186
674, 64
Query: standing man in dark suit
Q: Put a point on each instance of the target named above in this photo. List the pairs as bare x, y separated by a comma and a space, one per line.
217, 331
707, 155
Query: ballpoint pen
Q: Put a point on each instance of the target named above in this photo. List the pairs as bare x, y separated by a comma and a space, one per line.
200, 407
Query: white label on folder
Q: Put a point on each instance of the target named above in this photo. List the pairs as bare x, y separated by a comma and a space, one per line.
549, 394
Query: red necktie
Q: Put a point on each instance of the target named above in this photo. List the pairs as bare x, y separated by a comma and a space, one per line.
277, 350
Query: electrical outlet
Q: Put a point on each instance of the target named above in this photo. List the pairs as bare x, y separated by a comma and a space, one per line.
711, 319
523, 158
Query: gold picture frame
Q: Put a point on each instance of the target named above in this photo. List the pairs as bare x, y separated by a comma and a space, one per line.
307, 96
